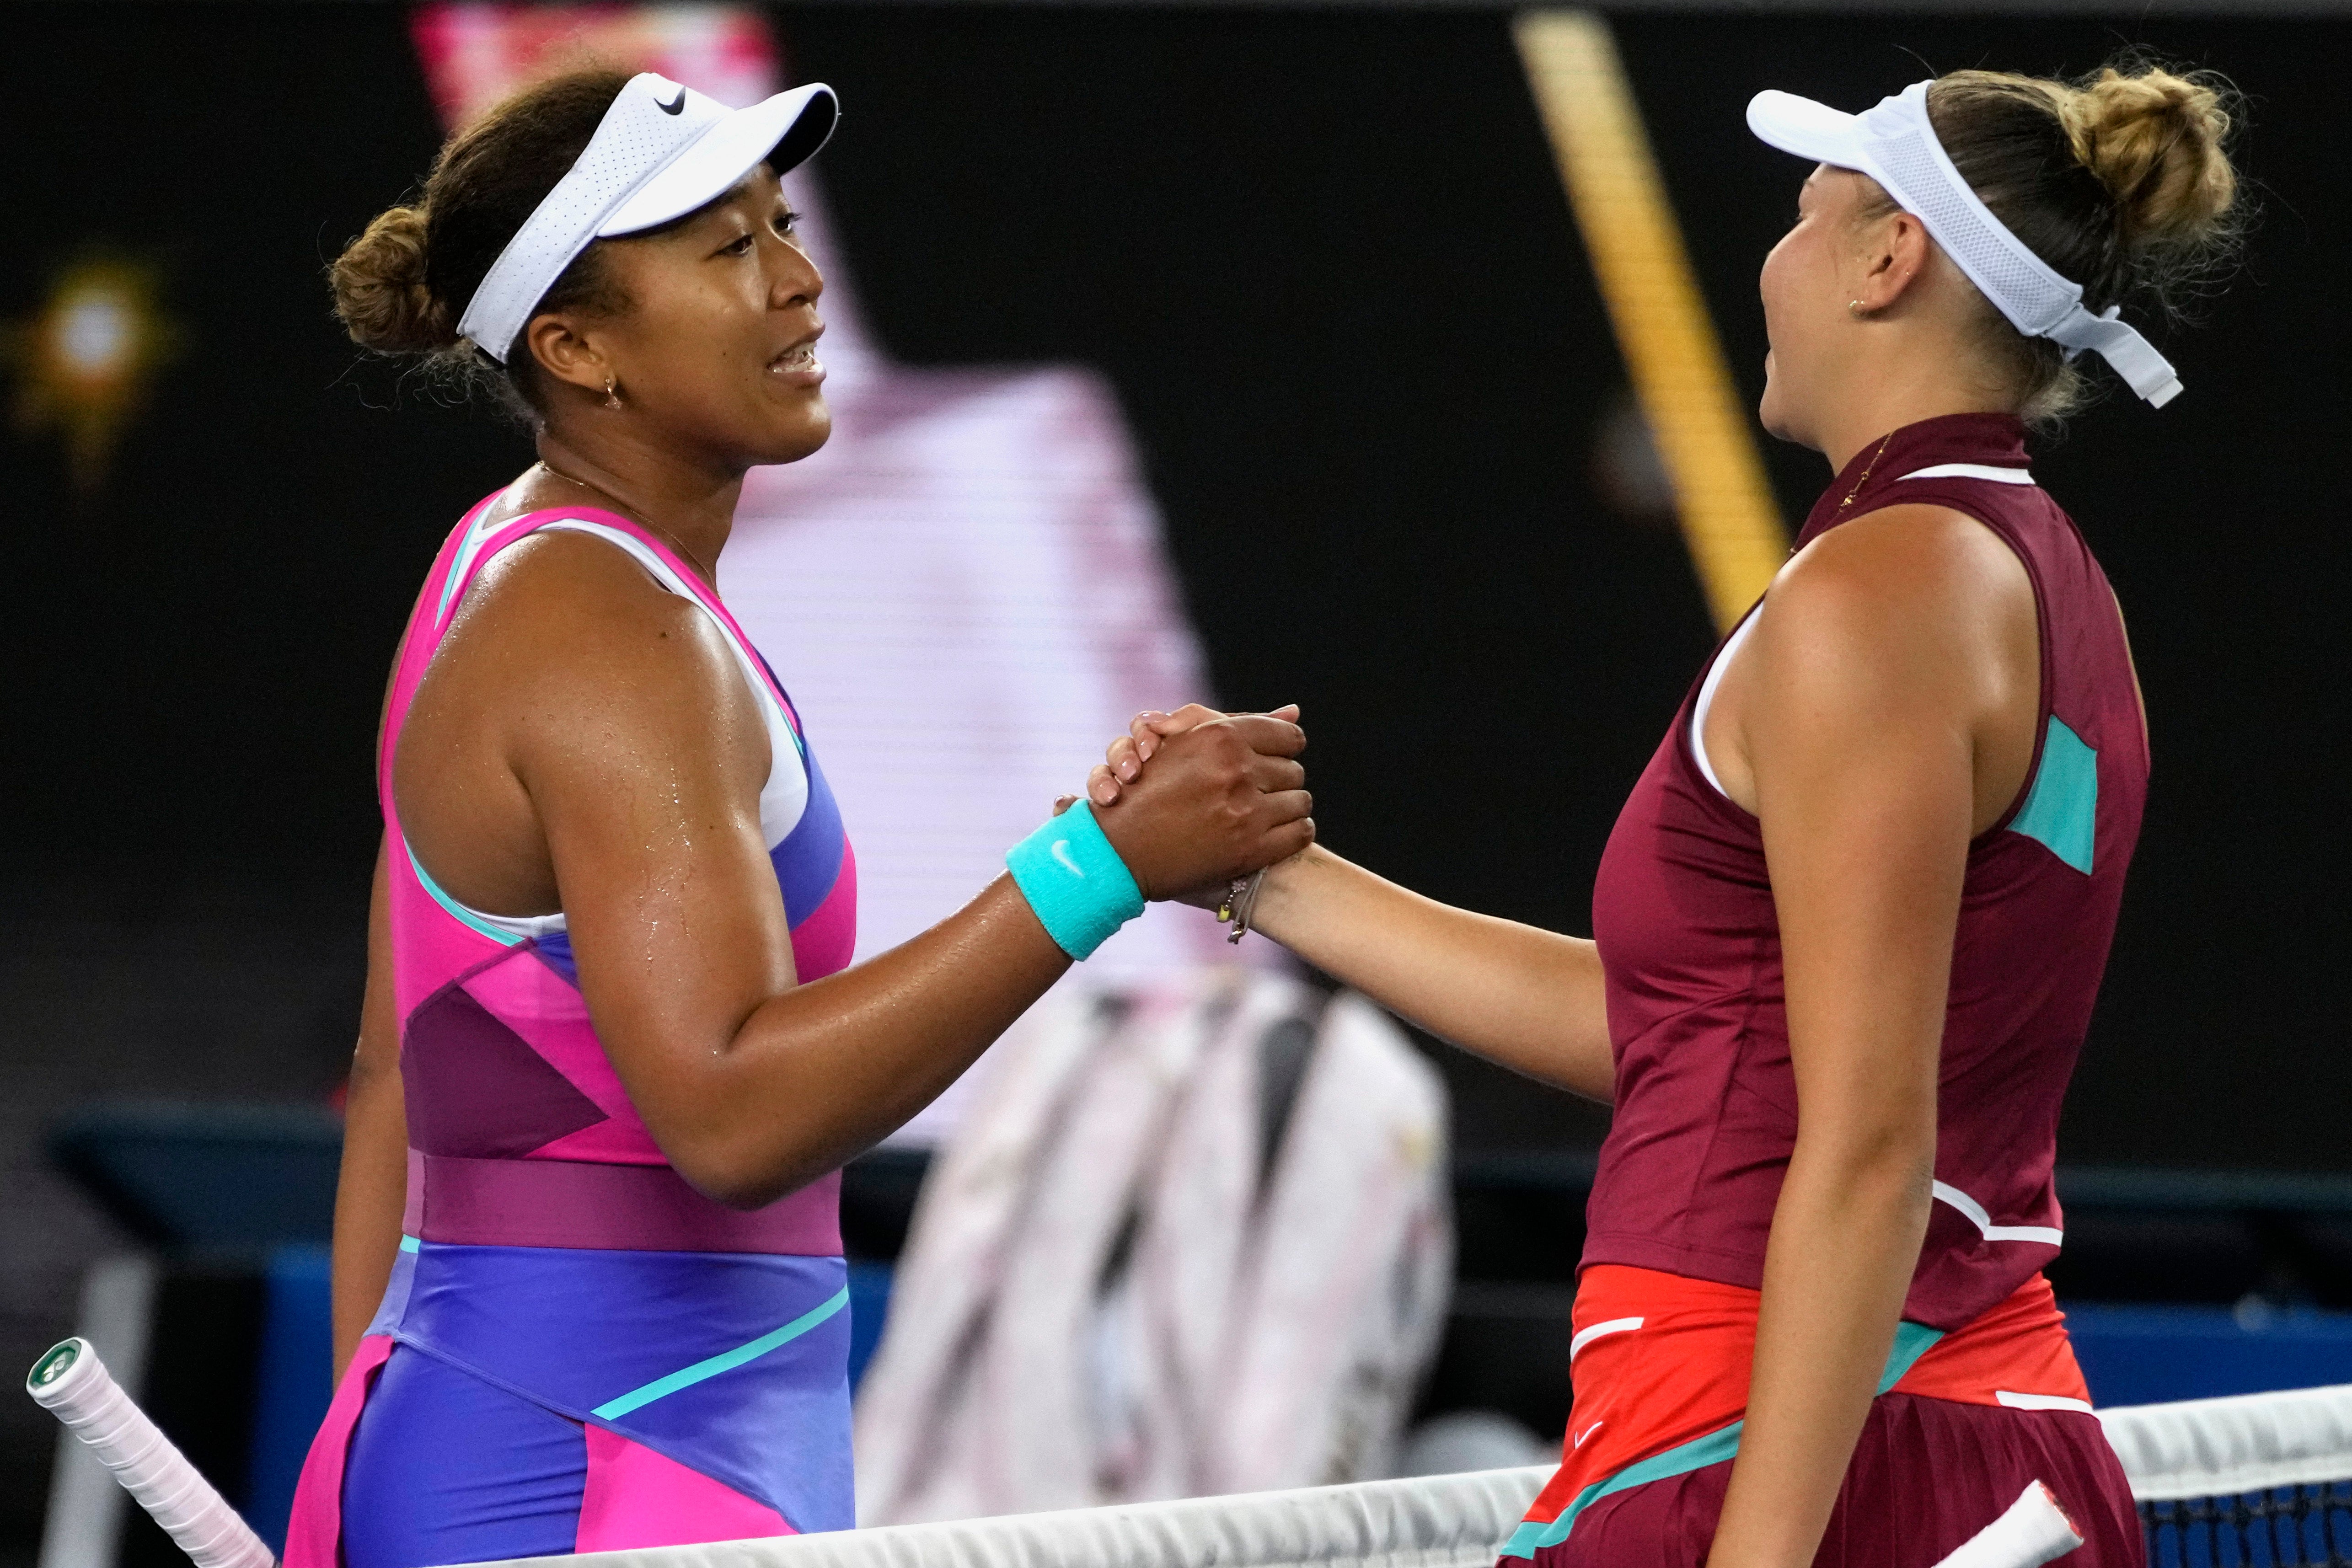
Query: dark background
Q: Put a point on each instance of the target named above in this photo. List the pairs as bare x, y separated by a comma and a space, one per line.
1327, 263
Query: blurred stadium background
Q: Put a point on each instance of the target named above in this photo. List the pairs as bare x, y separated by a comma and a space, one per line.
1271, 338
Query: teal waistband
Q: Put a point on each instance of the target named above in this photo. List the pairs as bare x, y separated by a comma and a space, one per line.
1911, 1341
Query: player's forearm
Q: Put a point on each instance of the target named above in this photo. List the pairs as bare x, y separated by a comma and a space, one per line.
821, 1072
1845, 1240
370, 1195
1529, 998
371, 1192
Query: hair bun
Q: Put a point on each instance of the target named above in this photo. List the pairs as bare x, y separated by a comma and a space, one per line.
380, 295
2154, 140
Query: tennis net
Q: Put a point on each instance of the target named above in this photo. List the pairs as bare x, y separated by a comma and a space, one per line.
2258, 1481
2245, 1483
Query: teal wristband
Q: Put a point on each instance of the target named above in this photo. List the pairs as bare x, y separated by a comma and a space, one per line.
1076, 881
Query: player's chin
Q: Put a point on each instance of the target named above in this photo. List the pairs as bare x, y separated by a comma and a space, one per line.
795, 428
1772, 410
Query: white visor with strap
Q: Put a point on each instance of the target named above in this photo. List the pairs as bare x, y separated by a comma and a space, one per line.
660, 151
1894, 145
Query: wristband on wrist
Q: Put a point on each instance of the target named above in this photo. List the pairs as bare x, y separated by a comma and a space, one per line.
1074, 880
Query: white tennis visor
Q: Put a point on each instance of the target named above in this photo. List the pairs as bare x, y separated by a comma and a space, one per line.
660, 151
1894, 145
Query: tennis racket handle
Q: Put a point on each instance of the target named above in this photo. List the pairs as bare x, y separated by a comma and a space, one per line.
2034, 1531
76, 1388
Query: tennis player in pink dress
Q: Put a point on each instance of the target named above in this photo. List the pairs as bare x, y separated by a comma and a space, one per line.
1852, 921
589, 1290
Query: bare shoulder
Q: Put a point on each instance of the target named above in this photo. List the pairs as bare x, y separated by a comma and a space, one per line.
1902, 562
1907, 609
1905, 577
574, 612
558, 581
565, 638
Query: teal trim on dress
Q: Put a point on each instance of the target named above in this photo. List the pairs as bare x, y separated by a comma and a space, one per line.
1911, 1342
2062, 813
456, 910
459, 565
409, 1244
1695, 1455
614, 1409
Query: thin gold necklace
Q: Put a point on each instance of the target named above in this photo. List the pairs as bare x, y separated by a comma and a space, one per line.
634, 515
1866, 469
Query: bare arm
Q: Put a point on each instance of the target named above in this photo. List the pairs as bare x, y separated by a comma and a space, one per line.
374, 1187
1876, 718
752, 1101
1527, 998
631, 754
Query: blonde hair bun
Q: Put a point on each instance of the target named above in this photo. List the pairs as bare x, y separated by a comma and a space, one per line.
381, 296
2119, 181
2154, 140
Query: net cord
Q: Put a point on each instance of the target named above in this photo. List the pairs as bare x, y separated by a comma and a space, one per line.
2209, 1454
2224, 1447
2205, 1449
1435, 1522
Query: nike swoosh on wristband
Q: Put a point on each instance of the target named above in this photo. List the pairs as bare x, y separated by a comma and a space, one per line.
674, 105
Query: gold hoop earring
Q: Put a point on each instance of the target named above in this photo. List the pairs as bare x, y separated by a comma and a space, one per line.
612, 396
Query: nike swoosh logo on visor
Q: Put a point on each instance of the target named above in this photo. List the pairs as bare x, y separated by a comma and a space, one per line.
674, 105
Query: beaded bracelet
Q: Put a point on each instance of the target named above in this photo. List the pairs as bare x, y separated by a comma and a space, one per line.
1241, 898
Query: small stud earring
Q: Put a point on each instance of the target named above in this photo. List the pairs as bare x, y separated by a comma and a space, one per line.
612, 397
1853, 309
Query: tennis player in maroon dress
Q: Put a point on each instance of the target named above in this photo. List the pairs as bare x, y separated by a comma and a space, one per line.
1852, 921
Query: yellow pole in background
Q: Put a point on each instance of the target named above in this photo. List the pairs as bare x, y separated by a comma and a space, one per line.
1696, 414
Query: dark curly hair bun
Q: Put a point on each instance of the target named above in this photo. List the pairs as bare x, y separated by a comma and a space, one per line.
380, 295
400, 287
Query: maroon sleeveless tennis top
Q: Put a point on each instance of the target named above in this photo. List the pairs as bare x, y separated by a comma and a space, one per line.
1705, 1102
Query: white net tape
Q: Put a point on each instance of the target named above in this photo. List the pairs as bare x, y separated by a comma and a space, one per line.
2223, 1448
2205, 1447
1435, 1522
1426, 1521
2194, 1449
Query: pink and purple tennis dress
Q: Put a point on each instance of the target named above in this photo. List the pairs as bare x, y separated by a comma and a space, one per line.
579, 1351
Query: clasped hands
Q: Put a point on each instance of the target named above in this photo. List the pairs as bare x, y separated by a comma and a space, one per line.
1224, 795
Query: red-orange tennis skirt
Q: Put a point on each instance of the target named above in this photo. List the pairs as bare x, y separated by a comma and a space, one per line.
1964, 1421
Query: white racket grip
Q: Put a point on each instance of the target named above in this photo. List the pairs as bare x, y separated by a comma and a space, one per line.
2034, 1531
76, 1387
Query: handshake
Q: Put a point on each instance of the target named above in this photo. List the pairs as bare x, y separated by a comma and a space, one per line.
1187, 803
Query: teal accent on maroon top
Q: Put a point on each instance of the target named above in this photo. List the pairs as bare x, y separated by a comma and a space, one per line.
2061, 811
